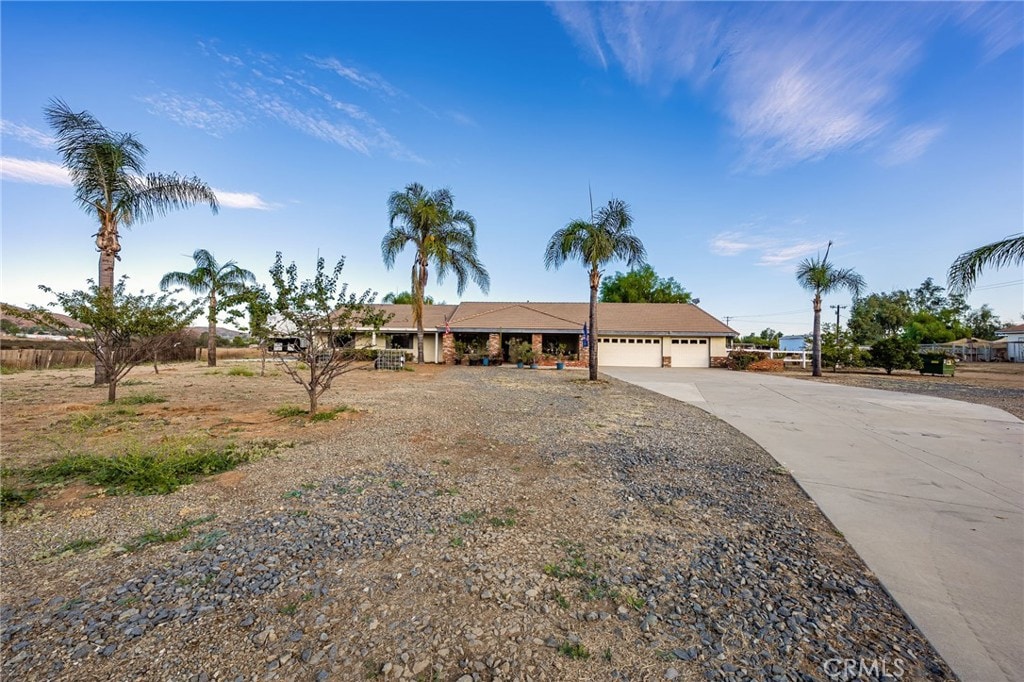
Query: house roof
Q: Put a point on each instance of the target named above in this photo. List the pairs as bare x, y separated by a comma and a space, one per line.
433, 315
1013, 329
613, 318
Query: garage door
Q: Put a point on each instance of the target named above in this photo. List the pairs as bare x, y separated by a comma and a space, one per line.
689, 353
619, 351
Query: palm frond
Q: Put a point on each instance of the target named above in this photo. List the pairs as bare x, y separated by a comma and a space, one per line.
966, 269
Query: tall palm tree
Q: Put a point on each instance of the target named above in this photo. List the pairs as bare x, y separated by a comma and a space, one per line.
968, 266
107, 172
818, 275
211, 279
442, 236
606, 237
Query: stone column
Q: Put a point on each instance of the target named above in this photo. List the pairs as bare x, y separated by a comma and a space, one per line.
448, 348
494, 346
537, 342
581, 352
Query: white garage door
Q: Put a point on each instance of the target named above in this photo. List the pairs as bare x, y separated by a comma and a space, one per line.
689, 353
620, 351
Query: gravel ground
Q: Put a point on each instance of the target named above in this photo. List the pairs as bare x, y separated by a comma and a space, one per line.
967, 386
477, 524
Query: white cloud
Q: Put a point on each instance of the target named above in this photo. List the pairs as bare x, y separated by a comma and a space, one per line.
364, 80
797, 82
582, 25
912, 142
245, 200
463, 119
771, 250
26, 134
201, 113
998, 24
34, 172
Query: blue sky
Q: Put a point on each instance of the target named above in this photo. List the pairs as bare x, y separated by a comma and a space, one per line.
743, 136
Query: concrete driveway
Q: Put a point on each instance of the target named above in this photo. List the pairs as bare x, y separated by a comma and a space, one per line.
930, 492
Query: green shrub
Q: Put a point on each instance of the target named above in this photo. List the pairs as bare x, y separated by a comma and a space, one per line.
742, 359
159, 470
286, 411
895, 353
144, 399
239, 371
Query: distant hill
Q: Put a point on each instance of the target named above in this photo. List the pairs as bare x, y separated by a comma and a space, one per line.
24, 323
223, 332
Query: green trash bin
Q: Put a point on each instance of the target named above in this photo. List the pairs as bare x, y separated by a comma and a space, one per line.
938, 366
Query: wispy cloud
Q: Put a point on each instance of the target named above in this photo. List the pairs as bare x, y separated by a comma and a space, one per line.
308, 100
462, 119
201, 113
243, 200
26, 134
13, 169
911, 142
362, 79
35, 172
796, 82
581, 22
998, 24
770, 249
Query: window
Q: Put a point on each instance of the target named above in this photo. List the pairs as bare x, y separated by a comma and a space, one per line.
704, 341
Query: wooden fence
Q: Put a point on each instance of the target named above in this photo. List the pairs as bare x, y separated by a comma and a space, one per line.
788, 357
31, 358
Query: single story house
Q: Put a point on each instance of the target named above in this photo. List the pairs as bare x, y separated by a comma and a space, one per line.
629, 334
1014, 337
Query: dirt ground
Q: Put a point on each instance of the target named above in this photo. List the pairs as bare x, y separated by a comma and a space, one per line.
996, 384
47, 414
455, 524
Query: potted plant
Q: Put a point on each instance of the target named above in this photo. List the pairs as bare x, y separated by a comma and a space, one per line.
561, 350
519, 352
529, 356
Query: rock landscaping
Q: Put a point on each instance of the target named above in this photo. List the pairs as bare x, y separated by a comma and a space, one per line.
467, 524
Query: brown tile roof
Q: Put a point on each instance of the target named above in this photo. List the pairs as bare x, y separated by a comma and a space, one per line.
1012, 329
613, 318
433, 315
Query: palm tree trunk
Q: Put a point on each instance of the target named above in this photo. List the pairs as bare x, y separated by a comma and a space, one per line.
816, 346
106, 283
211, 341
595, 280
419, 281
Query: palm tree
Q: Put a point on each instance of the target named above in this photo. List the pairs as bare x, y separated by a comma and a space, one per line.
211, 279
607, 237
967, 268
107, 172
821, 277
442, 236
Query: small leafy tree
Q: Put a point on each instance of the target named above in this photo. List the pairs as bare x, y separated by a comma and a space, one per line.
895, 352
404, 298
324, 317
841, 349
258, 307
127, 329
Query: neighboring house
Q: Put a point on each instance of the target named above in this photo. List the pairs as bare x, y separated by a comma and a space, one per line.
793, 342
629, 334
1014, 337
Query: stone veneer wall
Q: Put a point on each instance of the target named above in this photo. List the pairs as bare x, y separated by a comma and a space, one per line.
494, 346
448, 348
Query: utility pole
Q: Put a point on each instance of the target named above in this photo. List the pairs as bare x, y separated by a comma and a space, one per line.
837, 309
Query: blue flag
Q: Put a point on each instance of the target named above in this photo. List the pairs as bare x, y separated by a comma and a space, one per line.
586, 336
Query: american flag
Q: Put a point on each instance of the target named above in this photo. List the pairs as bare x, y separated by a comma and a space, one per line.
447, 328
586, 336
